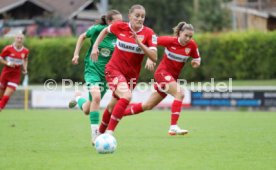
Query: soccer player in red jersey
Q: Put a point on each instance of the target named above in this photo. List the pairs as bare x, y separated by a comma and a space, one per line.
14, 57
178, 49
134, 41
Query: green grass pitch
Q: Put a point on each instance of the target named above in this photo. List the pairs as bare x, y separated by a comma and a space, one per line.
60, 139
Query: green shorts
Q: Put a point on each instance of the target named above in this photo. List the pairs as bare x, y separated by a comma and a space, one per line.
93, 78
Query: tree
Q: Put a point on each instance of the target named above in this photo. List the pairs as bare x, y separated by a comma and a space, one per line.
211, 16
163, 15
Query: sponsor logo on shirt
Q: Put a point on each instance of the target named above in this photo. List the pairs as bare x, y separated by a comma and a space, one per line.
129, 47
176, 57
14, 60
123, 35
105, 52
154, 39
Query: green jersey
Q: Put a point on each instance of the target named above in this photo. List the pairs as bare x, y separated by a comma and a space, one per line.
106, 49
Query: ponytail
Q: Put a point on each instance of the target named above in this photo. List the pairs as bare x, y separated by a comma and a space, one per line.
103, 20
108, 17
181, 26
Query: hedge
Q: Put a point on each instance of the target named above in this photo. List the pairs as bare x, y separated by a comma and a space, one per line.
239, 55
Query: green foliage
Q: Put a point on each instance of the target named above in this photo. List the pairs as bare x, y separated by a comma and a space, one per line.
241, 55
211, 16
50, 58
163, 15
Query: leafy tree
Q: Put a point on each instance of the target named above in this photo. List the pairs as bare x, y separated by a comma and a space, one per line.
163, 15
211, 16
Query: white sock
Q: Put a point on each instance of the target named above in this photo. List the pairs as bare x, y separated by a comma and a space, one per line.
77, 98
110, 132
173, 126
94, 126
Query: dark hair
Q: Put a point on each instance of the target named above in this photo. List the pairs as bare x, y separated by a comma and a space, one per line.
108, 16
181, 26
136, 6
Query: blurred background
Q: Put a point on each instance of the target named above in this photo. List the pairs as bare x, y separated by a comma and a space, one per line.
236, 39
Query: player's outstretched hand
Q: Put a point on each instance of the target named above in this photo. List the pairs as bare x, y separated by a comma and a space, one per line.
75, 59
9, 64
24, 71
195, 63
150, 65
138, 41
94, 54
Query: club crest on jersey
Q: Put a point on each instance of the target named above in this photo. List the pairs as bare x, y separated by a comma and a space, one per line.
168, 78
22, 55
12, 54
187, 50
140, 37
105, 52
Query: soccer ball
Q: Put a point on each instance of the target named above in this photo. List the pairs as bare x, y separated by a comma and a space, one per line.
105, 143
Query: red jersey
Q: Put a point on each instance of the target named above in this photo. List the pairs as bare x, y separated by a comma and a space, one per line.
176, 55
128, 56
15, 56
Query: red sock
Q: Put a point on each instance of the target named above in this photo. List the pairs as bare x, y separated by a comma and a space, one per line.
105, 121
176, 108
117, 113
134, 109
4, 101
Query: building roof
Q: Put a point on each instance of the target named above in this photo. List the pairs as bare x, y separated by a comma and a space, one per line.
6, 5
66, 9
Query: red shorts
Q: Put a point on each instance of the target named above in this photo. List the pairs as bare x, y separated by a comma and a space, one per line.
114, 77
9, 79
162, 79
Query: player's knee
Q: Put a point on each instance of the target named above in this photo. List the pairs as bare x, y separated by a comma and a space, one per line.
86, 112
127, 95
97, 99
110, 107
180, 96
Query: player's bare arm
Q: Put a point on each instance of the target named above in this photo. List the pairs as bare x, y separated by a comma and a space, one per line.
25, 66
195, 63
75, 59
151, 53
9, 64
150, 65
95, 51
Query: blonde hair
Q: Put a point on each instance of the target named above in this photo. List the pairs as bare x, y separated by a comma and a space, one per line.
136, 6
181, 26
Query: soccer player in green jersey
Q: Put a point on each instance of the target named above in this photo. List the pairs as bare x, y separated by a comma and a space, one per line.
94, 71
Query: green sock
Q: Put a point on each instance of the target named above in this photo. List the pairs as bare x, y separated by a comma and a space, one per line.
94, 117
81, 101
